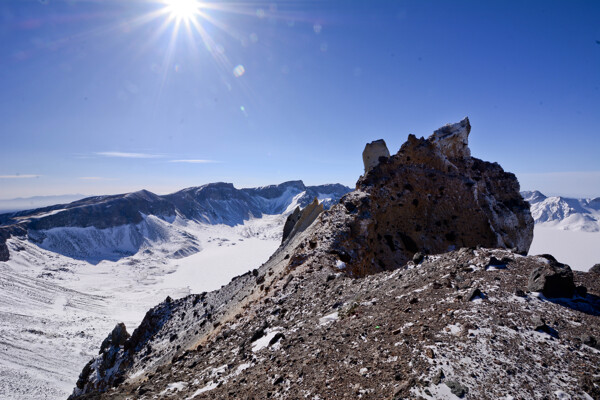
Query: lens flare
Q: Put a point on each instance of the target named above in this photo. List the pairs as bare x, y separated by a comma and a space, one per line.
239, 71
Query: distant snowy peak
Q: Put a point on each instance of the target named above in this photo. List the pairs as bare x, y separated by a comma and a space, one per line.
564, 213
87, 228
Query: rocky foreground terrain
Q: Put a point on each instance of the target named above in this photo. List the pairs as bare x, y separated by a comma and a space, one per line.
413, 286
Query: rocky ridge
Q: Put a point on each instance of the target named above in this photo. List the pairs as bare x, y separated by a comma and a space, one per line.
468, 323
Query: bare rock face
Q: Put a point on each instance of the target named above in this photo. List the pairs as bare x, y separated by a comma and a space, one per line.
298, 221
372, 152
291, 220
430, 197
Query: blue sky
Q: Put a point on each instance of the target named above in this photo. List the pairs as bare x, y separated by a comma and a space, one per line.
109, 96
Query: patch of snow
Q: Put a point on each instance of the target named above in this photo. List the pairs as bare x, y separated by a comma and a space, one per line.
329, 318
206, 388
174, 387
264, 341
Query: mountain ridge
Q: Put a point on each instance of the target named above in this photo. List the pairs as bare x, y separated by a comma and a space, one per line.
566, 213
213, 203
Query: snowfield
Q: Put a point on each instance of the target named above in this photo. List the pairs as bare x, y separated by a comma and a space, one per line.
579, 249
56, 310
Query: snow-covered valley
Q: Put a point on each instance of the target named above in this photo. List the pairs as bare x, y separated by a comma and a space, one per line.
56, 310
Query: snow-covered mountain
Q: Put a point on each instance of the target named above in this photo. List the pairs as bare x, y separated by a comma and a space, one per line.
563, 212
111, 227
71, 271
567, 228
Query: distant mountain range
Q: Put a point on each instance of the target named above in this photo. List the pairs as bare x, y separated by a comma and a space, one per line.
111, 227
29, 203
563, 212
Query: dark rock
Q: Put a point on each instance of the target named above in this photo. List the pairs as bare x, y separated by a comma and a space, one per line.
520, 293
438, 377
259, 333
540, 326
457, 389
581, 291
117, 338
418, 257
278, 336
595, 269
591, 341
475, 294
553, 279
440, 211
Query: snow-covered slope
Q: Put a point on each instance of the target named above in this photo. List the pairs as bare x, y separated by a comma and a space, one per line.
567, 228
76, 270
564, 213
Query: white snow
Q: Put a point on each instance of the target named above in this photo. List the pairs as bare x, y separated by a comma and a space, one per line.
264, 341
329, 318
174, 387
579, 249
206, 388
56, 310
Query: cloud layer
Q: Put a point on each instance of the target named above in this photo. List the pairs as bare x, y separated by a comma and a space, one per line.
120, 154
18, 176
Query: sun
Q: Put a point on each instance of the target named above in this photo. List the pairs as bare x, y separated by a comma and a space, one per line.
182, 9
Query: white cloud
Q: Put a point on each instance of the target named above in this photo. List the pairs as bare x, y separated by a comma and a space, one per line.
95, 178
18, 176
194, 161
120, 154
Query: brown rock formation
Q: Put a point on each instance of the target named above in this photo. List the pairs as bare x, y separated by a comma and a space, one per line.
430, 197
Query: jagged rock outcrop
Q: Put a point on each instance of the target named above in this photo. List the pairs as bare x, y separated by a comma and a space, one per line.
373, 152
302, 325
298, 222
290, 222
430, 197
5, 233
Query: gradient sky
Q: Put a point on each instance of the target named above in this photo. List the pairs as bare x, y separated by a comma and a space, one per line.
108, 96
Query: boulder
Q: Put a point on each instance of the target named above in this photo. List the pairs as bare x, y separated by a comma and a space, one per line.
595, 269
553, 279
372, 152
